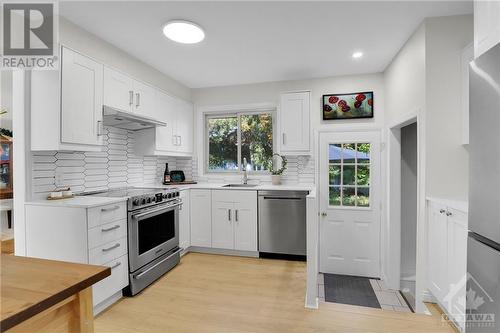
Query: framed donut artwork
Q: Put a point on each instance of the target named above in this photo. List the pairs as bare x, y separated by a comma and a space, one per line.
348, 106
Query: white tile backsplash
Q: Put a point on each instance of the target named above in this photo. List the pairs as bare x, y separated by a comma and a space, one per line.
118, 165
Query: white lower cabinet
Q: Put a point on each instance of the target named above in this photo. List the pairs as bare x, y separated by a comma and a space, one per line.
96, 235
201, 218
184, 221
447, 258
234, 220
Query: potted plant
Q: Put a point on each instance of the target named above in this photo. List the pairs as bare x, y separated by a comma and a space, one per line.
275, 172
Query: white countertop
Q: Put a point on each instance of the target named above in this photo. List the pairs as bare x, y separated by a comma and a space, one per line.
94, 201
264, 187
78, 202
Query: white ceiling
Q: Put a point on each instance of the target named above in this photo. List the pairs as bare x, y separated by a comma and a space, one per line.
248, 42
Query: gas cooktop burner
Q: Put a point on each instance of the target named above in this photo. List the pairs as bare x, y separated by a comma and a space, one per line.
141, 197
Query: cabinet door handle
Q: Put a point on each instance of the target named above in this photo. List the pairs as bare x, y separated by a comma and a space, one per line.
448, 213
229, 214
110, 228
116, 265
109, 209
284, 138
100, 128
180, 140
111, 247
130, 97
137, 100
236, 215
441, 211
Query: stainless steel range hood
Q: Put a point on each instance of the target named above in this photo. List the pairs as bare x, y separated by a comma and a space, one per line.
128, 120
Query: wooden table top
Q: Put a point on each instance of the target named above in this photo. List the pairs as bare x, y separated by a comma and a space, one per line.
30, 286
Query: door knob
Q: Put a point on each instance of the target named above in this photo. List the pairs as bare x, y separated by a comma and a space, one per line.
324, 214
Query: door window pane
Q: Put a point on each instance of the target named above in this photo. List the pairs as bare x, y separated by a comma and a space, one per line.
349, 174
363, 152
348, 196
257, 140
223, 144
334, 196
363, 196
334, 174
348, 153
363, 174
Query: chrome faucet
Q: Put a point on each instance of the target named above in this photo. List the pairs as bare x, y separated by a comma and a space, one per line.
245, 173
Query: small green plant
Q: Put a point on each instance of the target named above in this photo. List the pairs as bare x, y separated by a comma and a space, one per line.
283, 165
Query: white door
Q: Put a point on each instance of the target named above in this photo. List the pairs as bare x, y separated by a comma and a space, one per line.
438, 251
294, 122
201, 218
144, 99
165, 111
81, 99
118, 90
184, 221
350, 203
223, 216
245, 222
184, 130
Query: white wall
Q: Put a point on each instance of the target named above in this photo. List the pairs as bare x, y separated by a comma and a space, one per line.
83, 41
269, 92
447, 160
404, 79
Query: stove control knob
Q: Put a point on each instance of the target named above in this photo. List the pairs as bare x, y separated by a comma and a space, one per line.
176, 194
135, 202
148, 200
143, 201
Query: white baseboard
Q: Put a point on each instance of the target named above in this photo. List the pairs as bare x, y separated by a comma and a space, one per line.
209, 250
107, 302
428, 297
314, 305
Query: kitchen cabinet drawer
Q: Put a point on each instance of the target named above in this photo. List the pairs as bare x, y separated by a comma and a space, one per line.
108, 251
107, 232
105, 214
113, 283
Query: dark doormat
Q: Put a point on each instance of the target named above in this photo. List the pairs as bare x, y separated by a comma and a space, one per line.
353, 290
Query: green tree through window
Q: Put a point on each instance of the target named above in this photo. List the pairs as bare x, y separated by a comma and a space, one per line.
250, 135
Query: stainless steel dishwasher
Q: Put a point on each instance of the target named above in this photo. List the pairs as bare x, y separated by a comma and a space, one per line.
282, 222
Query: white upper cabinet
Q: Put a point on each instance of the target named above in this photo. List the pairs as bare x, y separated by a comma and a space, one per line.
66, 105
124, 93
175, 139
118, 90
294, 123
165, 111
486, 26
81, 99
184, 127
144, 99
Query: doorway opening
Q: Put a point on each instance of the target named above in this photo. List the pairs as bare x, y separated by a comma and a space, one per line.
409, 212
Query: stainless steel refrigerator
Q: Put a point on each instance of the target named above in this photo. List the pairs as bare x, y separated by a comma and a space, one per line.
483, 246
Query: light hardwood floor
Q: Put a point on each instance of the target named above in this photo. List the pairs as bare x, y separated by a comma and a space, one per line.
211, 293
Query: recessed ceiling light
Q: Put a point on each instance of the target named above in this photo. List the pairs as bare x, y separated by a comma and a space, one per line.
183, 32
357, 55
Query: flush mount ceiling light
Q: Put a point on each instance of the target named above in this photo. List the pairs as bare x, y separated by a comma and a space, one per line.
357, 55
184, 32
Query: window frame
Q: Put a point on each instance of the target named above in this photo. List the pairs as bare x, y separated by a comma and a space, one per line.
354, 186
237, 114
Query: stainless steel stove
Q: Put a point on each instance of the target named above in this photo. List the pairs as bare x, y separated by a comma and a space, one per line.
153, 233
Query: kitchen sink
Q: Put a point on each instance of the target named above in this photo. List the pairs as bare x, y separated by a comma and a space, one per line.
240, 185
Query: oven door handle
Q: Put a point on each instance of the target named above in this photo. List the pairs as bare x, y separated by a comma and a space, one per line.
136, 216
141, 274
